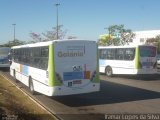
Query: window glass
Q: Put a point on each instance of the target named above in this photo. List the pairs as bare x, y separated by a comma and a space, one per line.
120, 54
111, 54
117, 54
36, 57
103, 54
147, 51
129, 53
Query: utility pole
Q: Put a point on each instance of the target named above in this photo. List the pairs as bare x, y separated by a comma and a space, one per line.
57, 4
14, 28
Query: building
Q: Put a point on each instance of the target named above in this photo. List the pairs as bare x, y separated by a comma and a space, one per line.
142, 36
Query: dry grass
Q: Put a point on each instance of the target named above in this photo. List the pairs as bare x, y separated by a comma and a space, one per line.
13, 103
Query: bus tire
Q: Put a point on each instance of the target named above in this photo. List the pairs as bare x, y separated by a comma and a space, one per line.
31, 87
108, 71
14, 75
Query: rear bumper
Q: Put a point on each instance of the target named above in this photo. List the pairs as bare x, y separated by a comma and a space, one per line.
63, 90
147, 71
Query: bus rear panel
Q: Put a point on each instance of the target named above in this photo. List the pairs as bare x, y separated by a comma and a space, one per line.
75, 67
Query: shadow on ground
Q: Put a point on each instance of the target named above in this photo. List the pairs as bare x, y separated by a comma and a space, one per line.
109, 93
151, 77
154, 77
5, 69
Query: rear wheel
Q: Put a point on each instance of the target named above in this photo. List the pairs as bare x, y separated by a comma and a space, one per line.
108, 71
31, 87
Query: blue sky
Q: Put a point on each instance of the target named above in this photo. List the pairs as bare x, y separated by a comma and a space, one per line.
85, 19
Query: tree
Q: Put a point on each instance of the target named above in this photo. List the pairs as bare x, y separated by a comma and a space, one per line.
105, 40
36, 37
15, 42
119, 35
49, 35
155, 41
52, 35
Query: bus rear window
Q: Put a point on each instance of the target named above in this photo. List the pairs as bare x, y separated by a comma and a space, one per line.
147, 51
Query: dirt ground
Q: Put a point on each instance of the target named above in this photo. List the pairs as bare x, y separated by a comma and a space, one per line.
14, 105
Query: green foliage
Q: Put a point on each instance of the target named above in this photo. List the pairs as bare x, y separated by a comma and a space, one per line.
155, 41
105, 40
13, 43
118, 35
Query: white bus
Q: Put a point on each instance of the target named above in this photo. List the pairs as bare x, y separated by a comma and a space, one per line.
60, 67
4, 57
140, 59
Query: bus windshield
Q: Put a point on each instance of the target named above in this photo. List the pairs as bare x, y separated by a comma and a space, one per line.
4, 51
147, 51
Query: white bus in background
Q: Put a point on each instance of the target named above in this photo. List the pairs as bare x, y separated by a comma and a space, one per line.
60, 67
4, 57
140, 59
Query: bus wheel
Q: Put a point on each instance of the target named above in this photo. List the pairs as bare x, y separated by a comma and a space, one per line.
14, 75
108, 71
31, 87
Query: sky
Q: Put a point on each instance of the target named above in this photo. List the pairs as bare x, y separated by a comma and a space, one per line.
84, 19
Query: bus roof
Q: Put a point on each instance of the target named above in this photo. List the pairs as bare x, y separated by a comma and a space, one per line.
125, 46
48, 43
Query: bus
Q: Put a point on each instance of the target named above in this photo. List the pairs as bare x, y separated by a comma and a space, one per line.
59, 67
4, 57
139, 59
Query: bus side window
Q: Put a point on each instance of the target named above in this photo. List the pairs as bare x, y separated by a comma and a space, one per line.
129, 53
102, 54
111, 54
120, 54
44, 57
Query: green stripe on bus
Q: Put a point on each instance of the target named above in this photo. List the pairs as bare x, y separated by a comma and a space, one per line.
52, 78
137, 58
96, 78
